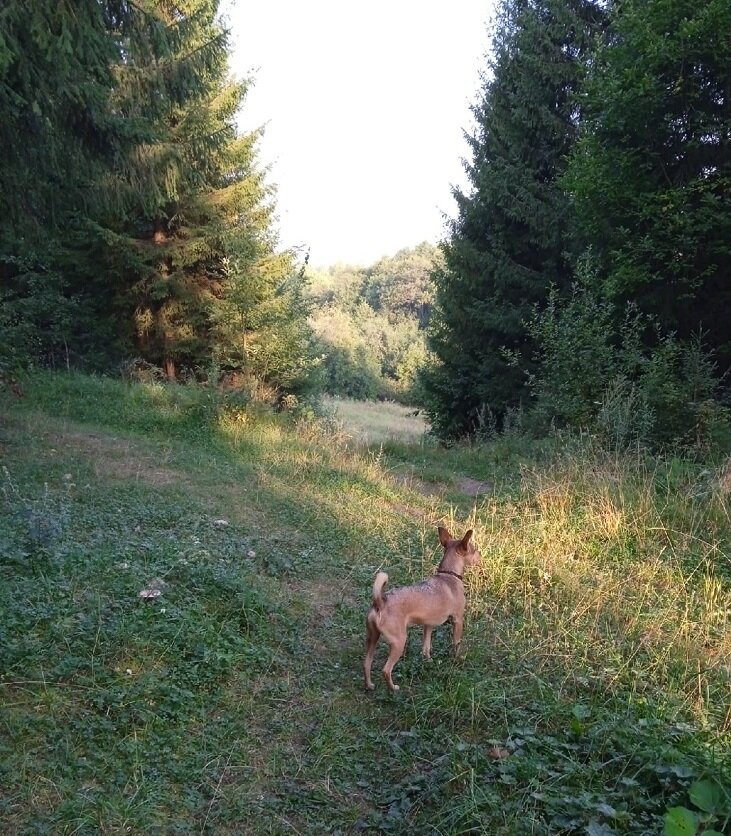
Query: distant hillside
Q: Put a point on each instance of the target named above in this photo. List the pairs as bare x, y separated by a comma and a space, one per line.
370, 323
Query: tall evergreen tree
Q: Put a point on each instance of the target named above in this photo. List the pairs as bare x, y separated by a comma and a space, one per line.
57, 136
66, 138
55, 126
511, 240
651, 173
139, 219
166, 261
206, 282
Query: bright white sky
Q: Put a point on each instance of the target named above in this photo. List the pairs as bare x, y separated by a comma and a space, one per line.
364, 106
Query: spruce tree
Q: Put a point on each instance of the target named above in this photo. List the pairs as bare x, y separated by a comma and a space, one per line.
512, 239
165, 260
55, 127
651, 174
67, 135
57, 138
199, 270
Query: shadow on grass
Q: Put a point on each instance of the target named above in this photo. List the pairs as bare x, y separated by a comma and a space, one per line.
235, 700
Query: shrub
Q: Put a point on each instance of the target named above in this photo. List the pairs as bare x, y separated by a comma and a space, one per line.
629, 383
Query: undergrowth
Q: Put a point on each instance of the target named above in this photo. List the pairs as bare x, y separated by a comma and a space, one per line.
183, 581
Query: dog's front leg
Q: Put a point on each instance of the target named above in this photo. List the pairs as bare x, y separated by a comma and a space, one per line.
457, 633
426, 644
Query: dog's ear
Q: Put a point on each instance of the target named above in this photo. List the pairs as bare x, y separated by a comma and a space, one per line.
444, 536
465, 540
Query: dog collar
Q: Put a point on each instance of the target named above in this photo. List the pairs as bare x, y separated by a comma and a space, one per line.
448, 572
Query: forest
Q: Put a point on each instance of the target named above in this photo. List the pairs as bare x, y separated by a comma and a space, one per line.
583, 284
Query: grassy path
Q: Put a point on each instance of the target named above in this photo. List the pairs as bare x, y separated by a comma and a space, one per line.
233, 702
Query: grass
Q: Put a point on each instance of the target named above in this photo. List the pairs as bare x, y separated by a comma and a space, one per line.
594, 694
371, 423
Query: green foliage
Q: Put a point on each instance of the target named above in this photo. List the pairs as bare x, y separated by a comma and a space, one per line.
369, 324
209, 285
651, 175
577, 357
142, 224
261, 327
402, 284
60, 137
597, 375
512, 238
56, 131
714, 803
341, 284
351, 361
36, 317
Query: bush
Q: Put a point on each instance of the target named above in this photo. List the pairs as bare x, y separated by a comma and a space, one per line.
630, 384
576, 359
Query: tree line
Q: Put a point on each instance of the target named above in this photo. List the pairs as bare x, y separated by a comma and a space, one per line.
584, 281
137, 224
586, 277
370, 324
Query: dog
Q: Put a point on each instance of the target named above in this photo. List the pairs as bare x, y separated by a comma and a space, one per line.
429, 603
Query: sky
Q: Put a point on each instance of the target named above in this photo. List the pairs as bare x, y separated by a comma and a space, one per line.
364, 107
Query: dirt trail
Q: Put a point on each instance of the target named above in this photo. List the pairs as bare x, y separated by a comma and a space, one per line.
120, 458
464, 484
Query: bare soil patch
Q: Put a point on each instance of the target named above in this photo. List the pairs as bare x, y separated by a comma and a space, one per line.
409, 480
121, 459
464, 484
472, 487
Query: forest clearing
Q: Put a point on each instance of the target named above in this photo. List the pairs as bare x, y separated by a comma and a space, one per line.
210, 444
184, 588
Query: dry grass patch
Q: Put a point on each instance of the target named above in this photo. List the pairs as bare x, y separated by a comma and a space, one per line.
592, 558
370, 423
118, 458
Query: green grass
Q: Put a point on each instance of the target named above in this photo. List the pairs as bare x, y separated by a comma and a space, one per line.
373, 423
593, 695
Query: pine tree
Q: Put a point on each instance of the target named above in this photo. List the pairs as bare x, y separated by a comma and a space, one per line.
67, 135
205, 280
651, 174
55, 127
57, 136
511, 241
167, 258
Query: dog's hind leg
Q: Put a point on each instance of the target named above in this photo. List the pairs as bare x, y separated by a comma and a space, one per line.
397, 649
372, 636
457, 634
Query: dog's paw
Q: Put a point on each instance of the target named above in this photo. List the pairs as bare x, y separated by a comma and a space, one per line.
370, 687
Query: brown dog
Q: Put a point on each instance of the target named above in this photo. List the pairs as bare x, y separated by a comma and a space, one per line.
429, 603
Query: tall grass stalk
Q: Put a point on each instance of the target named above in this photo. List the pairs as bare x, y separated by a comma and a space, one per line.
628, 580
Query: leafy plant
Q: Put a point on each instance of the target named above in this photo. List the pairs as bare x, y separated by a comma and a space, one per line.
712, 803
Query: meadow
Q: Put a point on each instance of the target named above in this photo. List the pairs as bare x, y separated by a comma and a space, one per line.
183, 585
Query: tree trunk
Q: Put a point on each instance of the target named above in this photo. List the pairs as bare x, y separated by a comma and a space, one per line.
160, 237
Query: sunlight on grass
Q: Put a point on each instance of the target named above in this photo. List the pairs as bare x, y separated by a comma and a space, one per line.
627, 595
593, 689
372, 423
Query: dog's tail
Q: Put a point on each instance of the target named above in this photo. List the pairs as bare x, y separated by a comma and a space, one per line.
378, 584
